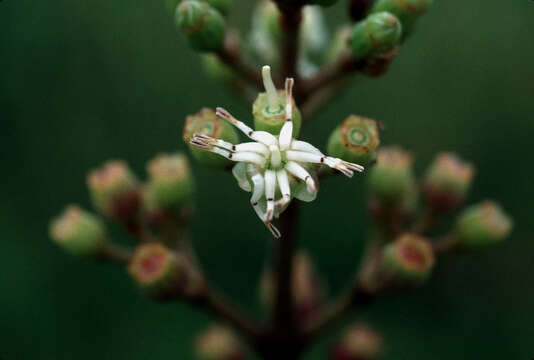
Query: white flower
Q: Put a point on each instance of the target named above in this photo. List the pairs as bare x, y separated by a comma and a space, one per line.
268, 160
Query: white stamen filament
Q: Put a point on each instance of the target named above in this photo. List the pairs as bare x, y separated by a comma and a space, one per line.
298, 171
260, 136
270, 186
283, 184
270, 89
287, 129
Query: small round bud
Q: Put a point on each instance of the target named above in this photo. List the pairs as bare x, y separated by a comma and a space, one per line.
114, 190
409, 259
308, 293
379, 33
359, 342
78, 232
202, 24
355, 140
406, 10
158, 272
171, 182
218, 343
271, 119
207, 123
392, 180
482, 225
446, 182
216, 69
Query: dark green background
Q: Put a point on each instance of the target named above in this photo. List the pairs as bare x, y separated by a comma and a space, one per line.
84, 81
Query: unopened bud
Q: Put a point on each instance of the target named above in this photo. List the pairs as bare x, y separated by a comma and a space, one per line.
202, 24
408, 260
115, 190
78, 232
339, 43
392, 180
313, 34
207, 123
171, 182
308, 293
359, 342
406, 10
218, 343
158, 272
447, 181
482, 225
378, 34
355, 140
269, 108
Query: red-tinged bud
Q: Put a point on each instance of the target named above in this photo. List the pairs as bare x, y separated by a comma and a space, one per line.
218, 343
408, 260
359, 342
447, 181
115, 191
158, 271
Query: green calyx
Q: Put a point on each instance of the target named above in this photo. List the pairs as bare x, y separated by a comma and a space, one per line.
78, 232
406, 10
482, 225
206, 122
355, 140
171, 183
392, 180
379, 33
203, 25
409, 259
271, 119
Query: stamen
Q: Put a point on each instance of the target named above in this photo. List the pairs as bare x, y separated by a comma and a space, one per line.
270, 185
304, 146
285, 190
276, 233
270, 89
261, 136
284, 139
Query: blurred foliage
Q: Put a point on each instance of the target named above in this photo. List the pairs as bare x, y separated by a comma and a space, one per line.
82, 82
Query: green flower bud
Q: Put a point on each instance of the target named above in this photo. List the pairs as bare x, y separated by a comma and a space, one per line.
78, 232
158, 272
115, 190
408, 260
308, 290
359, 342
171, 182
271, 119
222, 6
406, 10
379, 33
313, 34
216, 69
323, 2
392, 180
446, 182
203, 25
355, 140
207, 123
482, 225
218, 343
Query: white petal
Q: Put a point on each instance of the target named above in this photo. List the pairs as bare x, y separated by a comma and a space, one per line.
270, 187
287, 129
304, 146
302, 174
285, 190
255, 147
